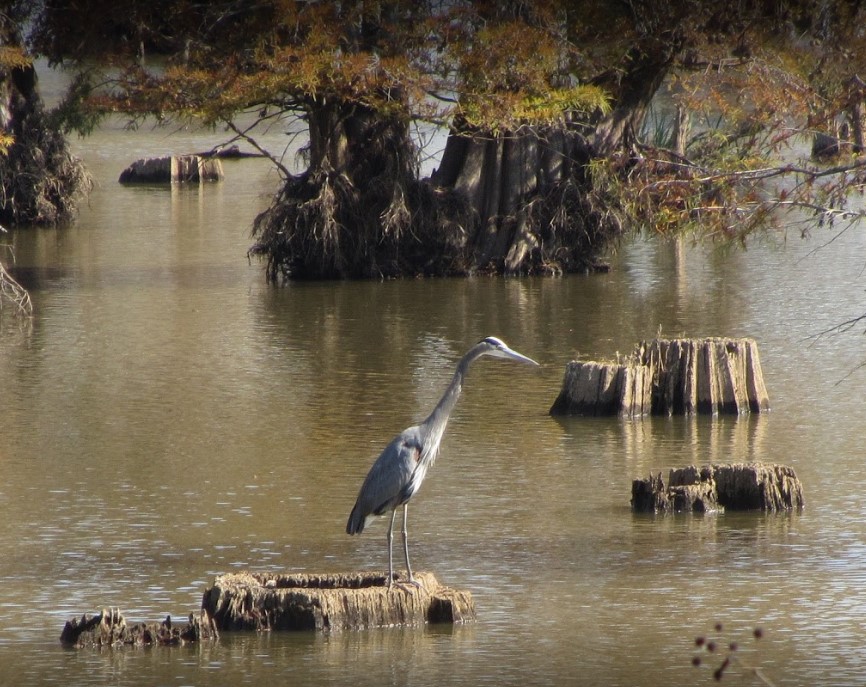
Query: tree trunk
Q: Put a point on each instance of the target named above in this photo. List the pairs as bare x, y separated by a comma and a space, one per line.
680, 135
508, 180
535, 207
359, 210
857, 129
633, 92
856, 95
329, 146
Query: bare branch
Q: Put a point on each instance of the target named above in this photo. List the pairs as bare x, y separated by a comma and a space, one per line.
842, 327
244, 135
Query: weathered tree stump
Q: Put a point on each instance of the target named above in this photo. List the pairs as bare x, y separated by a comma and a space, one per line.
267, 601
264, 601
706, 376
668, 376
110, 629
605, 389
736, 486
177, 168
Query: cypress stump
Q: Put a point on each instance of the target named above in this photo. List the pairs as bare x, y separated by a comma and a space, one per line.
269, 601
591, 388
174, 168
734, 486
666, 377
705, 376
110, 629
266, 601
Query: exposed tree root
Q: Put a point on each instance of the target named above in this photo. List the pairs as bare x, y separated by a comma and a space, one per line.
322, 226
12, 292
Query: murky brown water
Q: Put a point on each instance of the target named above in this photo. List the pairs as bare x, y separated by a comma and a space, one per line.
169, 417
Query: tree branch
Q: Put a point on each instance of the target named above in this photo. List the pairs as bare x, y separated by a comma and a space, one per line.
244, 135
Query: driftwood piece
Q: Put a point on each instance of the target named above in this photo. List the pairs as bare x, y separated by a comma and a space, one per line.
668, 376
110, 629
735, 486
176, 168
264, 601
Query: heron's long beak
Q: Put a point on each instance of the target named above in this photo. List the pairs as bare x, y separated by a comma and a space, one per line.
514, 355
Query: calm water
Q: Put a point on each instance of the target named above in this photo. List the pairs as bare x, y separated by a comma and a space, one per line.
167, 417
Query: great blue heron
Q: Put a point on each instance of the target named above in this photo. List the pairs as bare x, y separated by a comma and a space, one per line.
400, 469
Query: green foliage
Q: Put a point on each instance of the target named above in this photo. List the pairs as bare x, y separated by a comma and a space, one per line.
75, 112
502, 112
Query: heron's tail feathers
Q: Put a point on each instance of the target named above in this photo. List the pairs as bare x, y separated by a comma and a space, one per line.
357, 520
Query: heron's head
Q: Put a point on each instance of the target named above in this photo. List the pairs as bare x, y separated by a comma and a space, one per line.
498, 349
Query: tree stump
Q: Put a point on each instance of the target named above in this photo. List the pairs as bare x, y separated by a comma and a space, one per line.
706, 376
110, 629
177, 168
605, 389
668, 376
265, 601
736, 486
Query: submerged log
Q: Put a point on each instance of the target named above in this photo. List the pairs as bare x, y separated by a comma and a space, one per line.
177, 168
265, 601
668, 376
110, 629
736, 486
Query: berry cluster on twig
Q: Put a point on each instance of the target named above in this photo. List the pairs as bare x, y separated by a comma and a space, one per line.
728, 656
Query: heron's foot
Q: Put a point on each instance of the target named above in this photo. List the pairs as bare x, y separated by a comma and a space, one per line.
410, 584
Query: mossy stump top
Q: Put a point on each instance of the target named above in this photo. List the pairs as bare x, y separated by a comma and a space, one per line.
340, 601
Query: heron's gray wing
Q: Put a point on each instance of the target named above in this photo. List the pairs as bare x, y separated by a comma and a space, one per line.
389, 482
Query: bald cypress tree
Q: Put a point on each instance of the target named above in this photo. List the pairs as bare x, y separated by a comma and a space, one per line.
557, 141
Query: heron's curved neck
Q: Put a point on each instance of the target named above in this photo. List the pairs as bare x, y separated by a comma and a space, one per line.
437, 420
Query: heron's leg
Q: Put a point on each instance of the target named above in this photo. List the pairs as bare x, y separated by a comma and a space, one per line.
390, 548
406, 541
